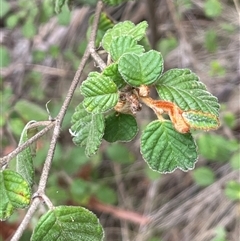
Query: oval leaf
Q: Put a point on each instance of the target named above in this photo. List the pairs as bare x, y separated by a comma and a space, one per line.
142, 69
15, 192
165, 149
122, 45
100, 93
183, 88
200, 120
87, 129
120, 127
68, 223
124, 28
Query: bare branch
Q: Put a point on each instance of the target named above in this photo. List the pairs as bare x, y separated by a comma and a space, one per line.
4, 160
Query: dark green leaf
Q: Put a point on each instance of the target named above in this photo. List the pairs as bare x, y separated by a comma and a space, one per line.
183, 88
68, 223
120, 127
142, 69
100, 93
15, 192
165, 149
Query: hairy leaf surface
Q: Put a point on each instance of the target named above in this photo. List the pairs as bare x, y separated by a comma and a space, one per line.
68, 223
165, 149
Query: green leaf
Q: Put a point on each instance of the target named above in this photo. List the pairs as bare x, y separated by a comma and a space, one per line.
30, 111
5, 7
124, 28
24, 162
212, 8
235, 160
87, 129
183, 88
100, 93
203, 176
106, 195
216, 147
68, 223
200, 120
122, 45
165, 149
142, 69
59, 5
120, 127
5, 57
114, 2
111, 71
14, 192
232, 190
119, 153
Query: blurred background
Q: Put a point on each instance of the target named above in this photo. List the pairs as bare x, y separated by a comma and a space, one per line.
40, 53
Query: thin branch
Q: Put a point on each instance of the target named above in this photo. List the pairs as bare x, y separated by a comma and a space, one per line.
58, 123
4, 160
32, 209
98, 59
59, 119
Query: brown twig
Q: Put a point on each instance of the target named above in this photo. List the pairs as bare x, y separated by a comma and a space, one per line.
57, 128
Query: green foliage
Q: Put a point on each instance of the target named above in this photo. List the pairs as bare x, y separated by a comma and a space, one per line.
221, 234
164, 149
166, 45
232, 190
68, 223
213, 8
124, 84
120, 127
24, 163
215, 147
203, 176
211, 41
216, 69
15, 192
5, 57
5, 7
119, 153
114, 2
235, 160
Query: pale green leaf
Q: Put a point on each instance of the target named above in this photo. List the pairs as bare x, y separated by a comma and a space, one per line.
141, 69
183, 88
15, 192
87, 129
200, 120
120, 127
24, 161
68, 223
100, 93
122, 29
203, 176
165, 149
122, 45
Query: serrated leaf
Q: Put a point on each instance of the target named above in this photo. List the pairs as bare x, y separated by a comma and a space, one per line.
124, 28
100, 93
120, 127
87, 129
114, 2
201, 121
165, 149
122, 45
142, 69
68, 223
112, 72
183, 88
24, 160
15, 192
